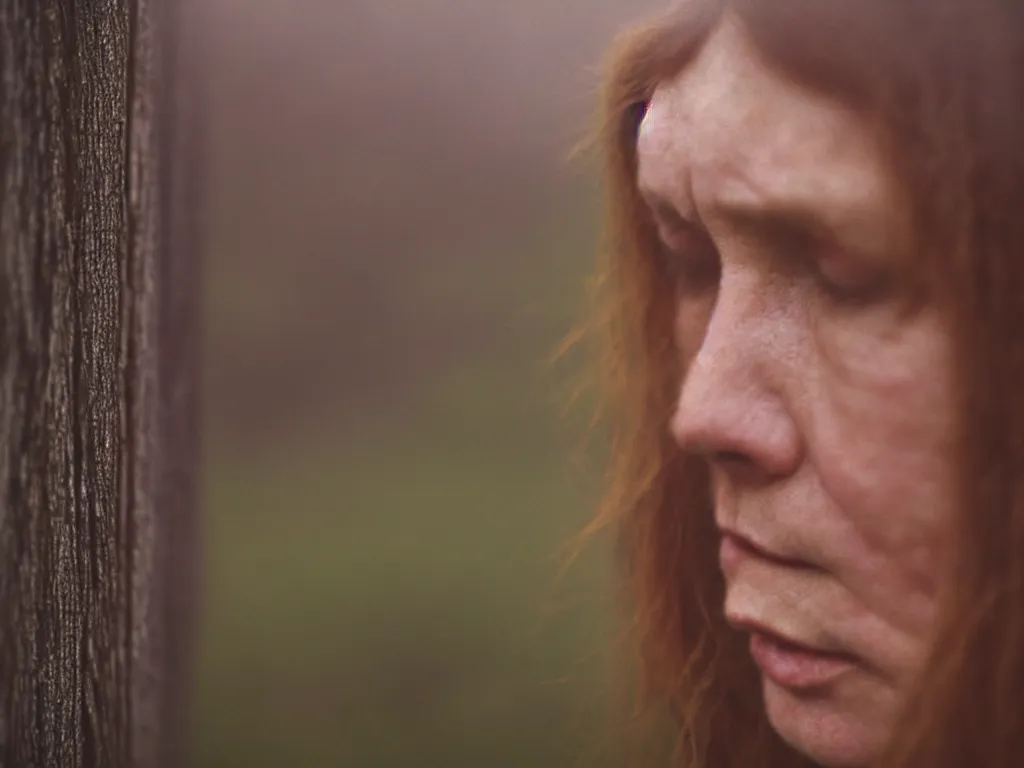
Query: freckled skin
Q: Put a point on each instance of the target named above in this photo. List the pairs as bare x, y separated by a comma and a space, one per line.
827, 425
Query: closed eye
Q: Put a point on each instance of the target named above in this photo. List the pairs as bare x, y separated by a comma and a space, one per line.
686, 251
691, 260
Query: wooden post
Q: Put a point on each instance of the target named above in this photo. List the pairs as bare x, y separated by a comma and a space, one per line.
98, 373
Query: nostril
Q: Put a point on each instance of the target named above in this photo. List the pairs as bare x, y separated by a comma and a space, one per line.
731, 457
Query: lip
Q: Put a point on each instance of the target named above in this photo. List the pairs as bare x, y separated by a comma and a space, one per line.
735, 548
790, 663
796, 667
785, 661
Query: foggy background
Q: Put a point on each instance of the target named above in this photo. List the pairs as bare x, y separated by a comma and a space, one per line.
397, 242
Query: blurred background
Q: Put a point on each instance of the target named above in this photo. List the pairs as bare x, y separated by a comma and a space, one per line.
397, 244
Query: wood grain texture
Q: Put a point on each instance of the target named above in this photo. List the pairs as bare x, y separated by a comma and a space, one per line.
98, 432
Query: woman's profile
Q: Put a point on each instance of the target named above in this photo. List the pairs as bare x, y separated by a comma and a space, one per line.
815, 285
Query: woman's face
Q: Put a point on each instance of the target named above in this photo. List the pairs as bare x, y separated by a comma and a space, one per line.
820, 400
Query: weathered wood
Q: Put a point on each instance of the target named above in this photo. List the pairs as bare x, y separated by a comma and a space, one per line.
98, 437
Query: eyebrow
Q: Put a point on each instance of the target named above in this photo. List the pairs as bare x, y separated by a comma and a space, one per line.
776, 222
779, 222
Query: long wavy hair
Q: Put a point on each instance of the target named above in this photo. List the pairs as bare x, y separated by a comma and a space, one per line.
943, 81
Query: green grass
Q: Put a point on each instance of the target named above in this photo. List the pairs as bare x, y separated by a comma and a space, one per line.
388, 594
395, 600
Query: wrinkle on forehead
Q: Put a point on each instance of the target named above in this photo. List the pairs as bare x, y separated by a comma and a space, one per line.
730, 131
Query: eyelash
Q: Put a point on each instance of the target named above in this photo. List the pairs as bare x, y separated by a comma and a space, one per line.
864, 291
858, 296
839, 294
695, 266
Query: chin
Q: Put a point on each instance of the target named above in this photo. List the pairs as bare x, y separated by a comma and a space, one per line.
822, 728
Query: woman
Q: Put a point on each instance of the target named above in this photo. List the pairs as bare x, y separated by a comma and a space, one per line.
816, 278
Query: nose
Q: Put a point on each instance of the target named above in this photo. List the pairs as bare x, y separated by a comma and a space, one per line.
732, 404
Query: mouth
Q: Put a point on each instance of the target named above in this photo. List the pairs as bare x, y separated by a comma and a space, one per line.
784, 660
795, 666
736, 548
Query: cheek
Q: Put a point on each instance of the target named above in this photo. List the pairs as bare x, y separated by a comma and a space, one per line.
881, 443
691, 324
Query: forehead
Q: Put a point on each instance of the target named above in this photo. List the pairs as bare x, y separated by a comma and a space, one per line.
730, 130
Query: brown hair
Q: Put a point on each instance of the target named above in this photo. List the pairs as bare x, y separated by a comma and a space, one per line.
944, 81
